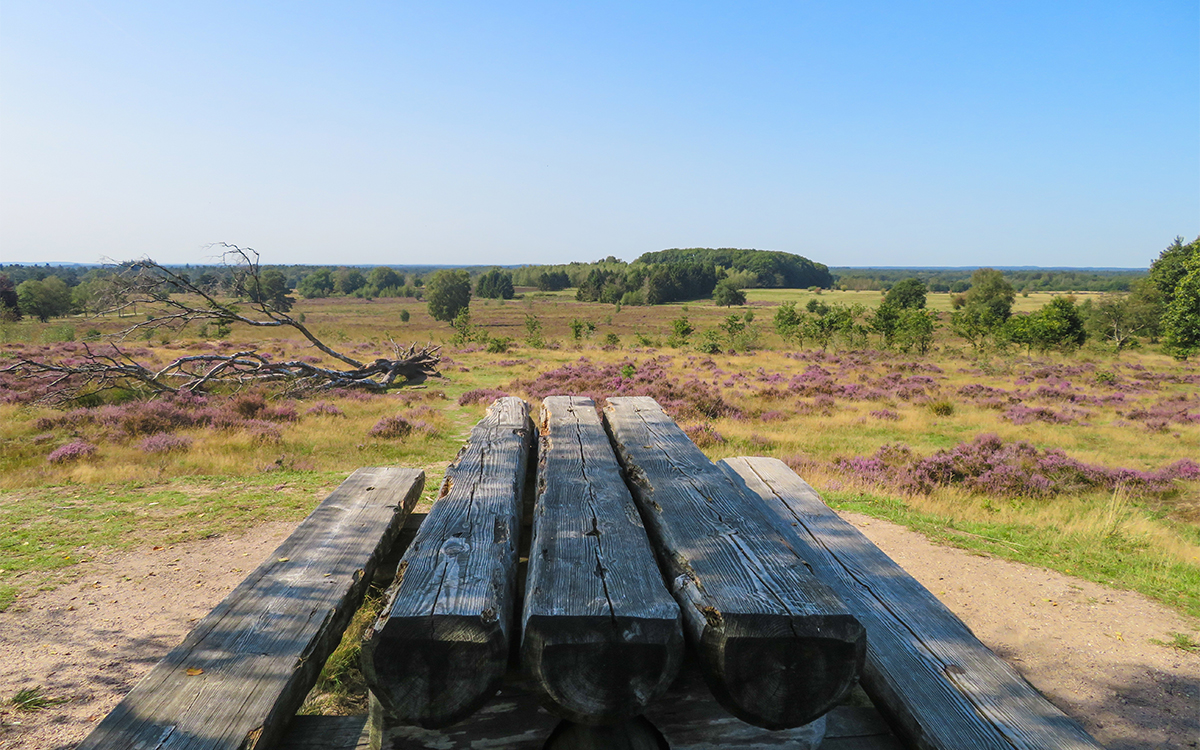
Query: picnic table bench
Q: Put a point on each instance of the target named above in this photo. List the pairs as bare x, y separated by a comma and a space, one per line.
588, 581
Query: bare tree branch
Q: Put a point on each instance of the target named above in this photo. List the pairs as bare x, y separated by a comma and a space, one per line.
172, 299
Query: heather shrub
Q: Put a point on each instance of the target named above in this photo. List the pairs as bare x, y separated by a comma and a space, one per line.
391, 427
165, 443
247, 405
703, 435
261, 431
481, 395
144, 417
280, 413
760, 443
887, 414
1021, 414
325, 409
75, 450
990, 466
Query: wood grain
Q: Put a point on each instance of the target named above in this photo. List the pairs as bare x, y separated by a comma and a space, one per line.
777, 646
237, 679
440, 648
924, 668
601, 635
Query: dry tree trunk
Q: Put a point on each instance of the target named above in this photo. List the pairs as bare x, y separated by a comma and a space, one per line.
159, 288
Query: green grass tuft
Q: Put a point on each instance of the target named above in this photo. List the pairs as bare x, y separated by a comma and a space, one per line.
33, 699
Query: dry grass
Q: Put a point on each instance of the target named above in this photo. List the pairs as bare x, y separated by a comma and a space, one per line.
1166, 529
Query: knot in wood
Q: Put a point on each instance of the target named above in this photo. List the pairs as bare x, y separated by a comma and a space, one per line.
455, 546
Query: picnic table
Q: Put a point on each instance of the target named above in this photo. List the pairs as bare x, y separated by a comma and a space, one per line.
588, 581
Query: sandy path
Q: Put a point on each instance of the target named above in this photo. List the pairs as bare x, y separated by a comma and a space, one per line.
1087, 647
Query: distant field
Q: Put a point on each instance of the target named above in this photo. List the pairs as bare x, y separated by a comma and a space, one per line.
828, 414
935, 301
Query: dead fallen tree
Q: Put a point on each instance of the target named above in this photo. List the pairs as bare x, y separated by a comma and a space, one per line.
176, 301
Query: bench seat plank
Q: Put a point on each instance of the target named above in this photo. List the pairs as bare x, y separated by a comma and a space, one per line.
241, 673
943, 688
601, 635
777, 646
439, 649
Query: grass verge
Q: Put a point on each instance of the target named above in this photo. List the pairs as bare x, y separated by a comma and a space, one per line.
1114, 559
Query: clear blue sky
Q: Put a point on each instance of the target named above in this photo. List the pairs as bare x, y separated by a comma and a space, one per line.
868, 133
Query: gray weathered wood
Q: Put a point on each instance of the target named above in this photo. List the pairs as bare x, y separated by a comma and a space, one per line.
687, 716
326, 733
778, 647
924, 667
600, 633
239, 676
440, 648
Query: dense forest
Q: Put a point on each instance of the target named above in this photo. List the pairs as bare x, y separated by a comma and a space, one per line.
958, 280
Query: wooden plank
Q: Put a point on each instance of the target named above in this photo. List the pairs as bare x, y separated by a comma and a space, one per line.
440, 648
326, 733
925, 669
239, 676
778, 648
601, 635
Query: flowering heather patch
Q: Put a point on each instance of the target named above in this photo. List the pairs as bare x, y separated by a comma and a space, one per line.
391, 427
73, 451
261, 431
410, 395
986, 394
990, 466
481, 395
682, 400
165, 443
248, 405
1157, 417
1021, 414
279, 413
142, 418
772, 416
912, 367
353, 394
822, 404
1061, 390
325, 409
420, 425
703, 435
886, 414
424, 410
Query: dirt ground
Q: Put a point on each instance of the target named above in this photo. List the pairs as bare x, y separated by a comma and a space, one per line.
1087, 647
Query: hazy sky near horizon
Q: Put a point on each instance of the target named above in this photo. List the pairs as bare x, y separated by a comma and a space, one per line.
868, 133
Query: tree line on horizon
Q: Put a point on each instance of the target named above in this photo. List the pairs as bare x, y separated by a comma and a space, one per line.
1137, 306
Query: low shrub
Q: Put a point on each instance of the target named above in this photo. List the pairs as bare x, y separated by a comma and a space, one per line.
942, 408
325, 409
703, 435
990, 466
165, 443
481, 395
75, 450
391, 428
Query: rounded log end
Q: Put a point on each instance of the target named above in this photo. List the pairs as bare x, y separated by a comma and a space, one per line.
434, 682
602, 675
777, 682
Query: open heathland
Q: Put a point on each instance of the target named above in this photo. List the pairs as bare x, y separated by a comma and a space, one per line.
1085, 461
